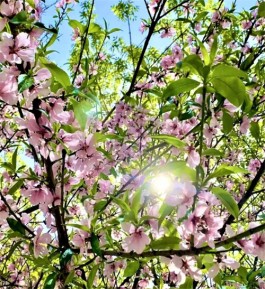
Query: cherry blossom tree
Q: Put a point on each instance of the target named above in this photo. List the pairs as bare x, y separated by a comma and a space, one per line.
139, 166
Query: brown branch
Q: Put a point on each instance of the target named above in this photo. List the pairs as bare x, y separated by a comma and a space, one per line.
189, 252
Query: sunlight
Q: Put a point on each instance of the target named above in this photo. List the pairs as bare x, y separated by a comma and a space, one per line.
161, 183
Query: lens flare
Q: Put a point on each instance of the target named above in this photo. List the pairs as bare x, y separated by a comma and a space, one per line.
161, 183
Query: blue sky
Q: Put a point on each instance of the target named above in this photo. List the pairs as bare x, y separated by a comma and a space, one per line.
103, 10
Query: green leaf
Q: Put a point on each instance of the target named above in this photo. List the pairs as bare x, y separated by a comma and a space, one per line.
24, 82
165, 243
12, 249
94, 240
212, 152
131, 269
16, 226
76, 24
227, 200
195, 63
204, 52
14, 159
180, 169
225, 170
136, 202
228, 122
81, 111
223, 70
66, 257
100, 205
164, 211
59, 74
81, 227
261, 9
214, 48
232, 88
92, 275
21, 17
123, 205
170, 139
69, 277
180, 86
15, 187
50, 281
255, 130
114, 30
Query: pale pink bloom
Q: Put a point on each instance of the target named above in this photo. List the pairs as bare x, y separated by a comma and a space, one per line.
168, 61
93, 69
144, 283
246, 24
198, 27
204, 225
168, 32
225, 24
136, 241
230, 107
254, 165
182, 196
244, 125
61, 3
40, 243
193, 157
216, 17
187, 265
259, 245
221, 264
8, 89
177, 53
75, 34
209, 132
4, 212
245, 49
16, 50
143, 27
208, 198
11, 7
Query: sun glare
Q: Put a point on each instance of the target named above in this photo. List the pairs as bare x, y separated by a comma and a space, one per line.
161, 183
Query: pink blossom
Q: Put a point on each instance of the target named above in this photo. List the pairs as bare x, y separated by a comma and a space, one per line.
143, 27
16, 50
168, 32
8, 88
259, 245
177, 53
136, 241
193, 157
40, 243
246, 24
168, 61
244, 125
254, 165
11, 7
187, 266
204, 225
222, 263
182, 196
216, 17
